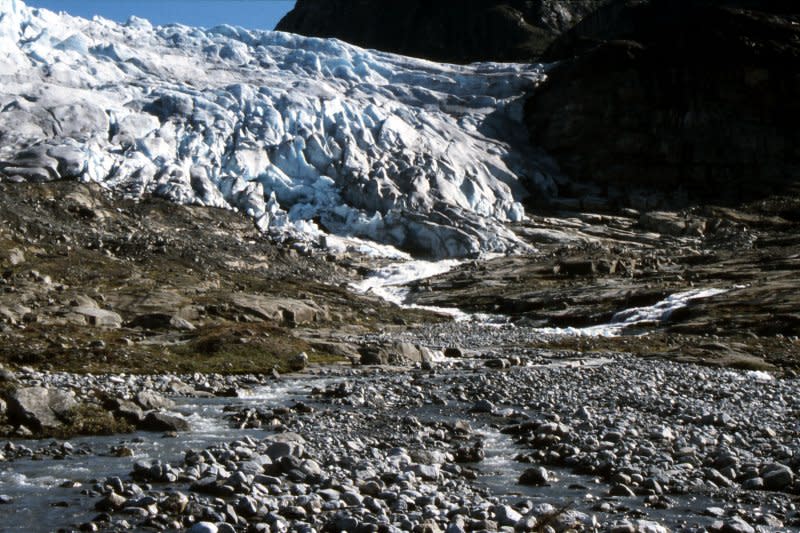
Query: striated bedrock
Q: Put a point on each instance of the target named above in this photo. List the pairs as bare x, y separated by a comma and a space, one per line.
312, 138
673, 102
456, 31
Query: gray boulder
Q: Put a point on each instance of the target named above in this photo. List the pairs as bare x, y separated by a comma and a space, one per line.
39, 408
152, 400
155, 421
99, 317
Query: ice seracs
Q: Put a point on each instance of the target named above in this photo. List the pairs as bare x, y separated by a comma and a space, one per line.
308, 136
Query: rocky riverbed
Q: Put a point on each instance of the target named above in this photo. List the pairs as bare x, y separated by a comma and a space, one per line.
536, 441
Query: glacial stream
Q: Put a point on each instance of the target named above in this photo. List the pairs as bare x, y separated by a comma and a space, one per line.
45, 495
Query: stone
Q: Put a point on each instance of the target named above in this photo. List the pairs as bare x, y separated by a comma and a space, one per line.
99, 317
482, 406
155, 421
126, 410
152, 400
506, 515
298, 362
288, 447
39, 408
203, 527
428, 526
777, 477
174, 503
621, 490
395, 353
647, 526
111, 502
426, 472
737, 525
284, 311
535, 476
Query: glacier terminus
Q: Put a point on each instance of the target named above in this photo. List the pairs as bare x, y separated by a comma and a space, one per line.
312, 138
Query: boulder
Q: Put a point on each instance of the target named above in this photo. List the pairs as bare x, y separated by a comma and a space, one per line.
126, 410
155, 421
535, 476
284, 311
777, 477
395, 353
298, 362
152, 400
39, 408
100, 318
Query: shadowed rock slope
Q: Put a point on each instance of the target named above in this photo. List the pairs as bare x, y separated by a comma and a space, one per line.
456, 31
667, 103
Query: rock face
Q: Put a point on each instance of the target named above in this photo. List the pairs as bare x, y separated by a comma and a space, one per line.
692, 100
454, 31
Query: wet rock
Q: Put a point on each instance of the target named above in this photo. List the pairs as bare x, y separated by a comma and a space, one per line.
482, 406
111, 502
535, 476
621, 490
298, 362
203, 527
155, 421
174, 503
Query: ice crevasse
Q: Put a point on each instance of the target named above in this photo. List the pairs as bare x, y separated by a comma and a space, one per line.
310, 137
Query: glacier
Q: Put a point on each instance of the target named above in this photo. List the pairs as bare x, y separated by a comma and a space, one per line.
315, 139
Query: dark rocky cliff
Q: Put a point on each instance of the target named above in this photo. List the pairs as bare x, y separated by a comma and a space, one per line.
695, 100
459, 31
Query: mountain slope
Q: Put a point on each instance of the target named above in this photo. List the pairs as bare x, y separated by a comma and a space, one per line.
676, 102
307, 136
458, 31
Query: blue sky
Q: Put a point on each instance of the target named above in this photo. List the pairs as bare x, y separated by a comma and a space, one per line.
255, 14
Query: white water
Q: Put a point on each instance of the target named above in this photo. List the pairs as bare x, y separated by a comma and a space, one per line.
391, 283
656, 314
